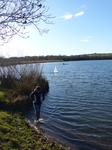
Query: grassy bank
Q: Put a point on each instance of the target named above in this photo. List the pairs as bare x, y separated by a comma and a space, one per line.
15, 131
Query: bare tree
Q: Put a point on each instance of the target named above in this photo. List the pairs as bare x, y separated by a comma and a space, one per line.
16, 15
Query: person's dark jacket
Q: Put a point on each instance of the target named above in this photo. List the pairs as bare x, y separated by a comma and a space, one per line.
37, 97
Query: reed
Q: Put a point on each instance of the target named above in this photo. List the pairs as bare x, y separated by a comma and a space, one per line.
18, 81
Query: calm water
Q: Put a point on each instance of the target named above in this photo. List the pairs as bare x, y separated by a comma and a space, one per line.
78, 107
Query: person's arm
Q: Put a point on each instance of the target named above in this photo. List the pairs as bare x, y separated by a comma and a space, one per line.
32, 96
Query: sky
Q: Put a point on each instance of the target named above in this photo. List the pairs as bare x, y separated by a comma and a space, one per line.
79, 27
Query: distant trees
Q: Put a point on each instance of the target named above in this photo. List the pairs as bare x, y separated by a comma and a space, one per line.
51, 58
16, 15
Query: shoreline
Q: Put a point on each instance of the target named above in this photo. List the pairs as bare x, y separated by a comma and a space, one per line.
52, 58
39, 129
16, 131
6, 64
30, 119
67, 144
3, 64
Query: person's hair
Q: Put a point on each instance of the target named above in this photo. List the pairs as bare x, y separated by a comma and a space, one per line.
38, 88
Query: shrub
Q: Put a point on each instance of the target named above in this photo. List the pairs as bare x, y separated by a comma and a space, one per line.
22, 79
3, 99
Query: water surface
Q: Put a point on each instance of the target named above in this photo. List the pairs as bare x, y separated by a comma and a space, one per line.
78, 107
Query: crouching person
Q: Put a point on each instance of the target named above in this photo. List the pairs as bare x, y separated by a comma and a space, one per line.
37, 97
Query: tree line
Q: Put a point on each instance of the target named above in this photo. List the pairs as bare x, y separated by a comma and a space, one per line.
51, 58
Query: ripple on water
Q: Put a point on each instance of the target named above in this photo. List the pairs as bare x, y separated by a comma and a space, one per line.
78, 107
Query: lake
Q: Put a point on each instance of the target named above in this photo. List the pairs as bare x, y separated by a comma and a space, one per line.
78, 108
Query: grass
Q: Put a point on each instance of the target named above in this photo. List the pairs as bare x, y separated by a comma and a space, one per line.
16, 133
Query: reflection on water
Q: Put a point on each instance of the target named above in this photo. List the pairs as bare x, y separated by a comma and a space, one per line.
78, 107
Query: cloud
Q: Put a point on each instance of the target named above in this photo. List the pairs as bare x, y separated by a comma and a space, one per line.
85, 40
79, 14
67, 16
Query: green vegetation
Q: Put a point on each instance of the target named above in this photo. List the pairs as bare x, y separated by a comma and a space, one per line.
15, 131
51, 58
3, 99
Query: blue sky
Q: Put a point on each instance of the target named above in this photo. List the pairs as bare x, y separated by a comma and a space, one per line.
80, 27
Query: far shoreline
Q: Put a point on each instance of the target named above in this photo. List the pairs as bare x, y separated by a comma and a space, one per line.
47, 59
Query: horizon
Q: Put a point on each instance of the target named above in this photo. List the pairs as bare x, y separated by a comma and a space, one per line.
56, 55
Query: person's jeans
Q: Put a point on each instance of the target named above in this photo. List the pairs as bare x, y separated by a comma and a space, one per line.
37, 110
